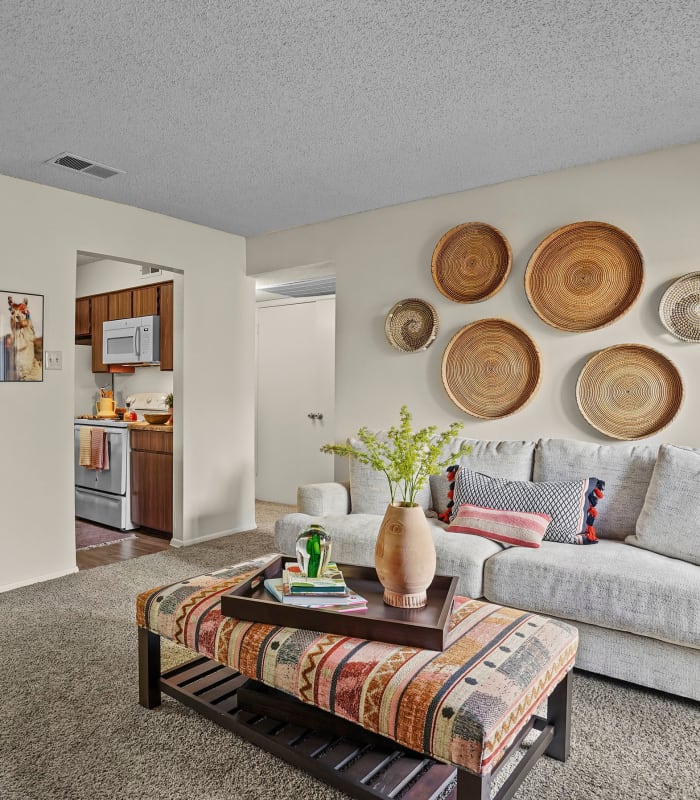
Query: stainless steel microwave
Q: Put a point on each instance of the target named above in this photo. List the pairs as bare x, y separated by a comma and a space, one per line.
131, 341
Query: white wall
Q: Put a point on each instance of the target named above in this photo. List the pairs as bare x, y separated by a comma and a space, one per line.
42, 232
383, 256
108, 275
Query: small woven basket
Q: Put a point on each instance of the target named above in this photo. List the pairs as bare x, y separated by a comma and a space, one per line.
629, 391
584, 276
491, 368
471, 262
680, 308
411, 325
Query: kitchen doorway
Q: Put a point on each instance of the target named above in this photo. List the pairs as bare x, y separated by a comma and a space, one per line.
114, 288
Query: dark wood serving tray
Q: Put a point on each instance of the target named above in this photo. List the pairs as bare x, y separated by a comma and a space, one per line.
426, 627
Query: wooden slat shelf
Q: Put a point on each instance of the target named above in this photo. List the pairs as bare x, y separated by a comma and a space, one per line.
368, 771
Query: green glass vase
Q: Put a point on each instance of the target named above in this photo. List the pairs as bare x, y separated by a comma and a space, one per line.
313, 551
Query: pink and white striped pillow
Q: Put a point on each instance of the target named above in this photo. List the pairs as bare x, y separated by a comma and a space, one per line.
523, 528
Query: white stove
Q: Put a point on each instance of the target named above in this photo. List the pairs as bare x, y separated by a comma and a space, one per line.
104, 495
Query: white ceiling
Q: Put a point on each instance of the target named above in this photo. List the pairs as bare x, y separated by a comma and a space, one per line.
254, 115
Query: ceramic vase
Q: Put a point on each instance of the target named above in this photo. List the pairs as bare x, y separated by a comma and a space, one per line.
404, 556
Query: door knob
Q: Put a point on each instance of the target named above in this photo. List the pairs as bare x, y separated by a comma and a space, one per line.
315, 415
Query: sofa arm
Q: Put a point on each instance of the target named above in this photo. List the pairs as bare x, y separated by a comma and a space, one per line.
322, 499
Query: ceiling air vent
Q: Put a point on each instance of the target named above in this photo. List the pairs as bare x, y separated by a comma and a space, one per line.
313, 287
83, 165
149, 272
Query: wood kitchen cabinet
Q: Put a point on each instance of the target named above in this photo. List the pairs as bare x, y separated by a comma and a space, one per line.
83, 318
144, 301
120, 304
165, 310
99, 313
152, 479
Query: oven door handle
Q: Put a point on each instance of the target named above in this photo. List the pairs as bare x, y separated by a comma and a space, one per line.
137, 341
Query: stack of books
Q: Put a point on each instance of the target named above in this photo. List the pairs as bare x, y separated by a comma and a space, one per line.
329, 591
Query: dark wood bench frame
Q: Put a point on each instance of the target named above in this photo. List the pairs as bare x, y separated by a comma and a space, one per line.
360, 763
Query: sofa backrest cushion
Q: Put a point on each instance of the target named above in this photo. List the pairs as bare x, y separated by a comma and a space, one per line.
668, 522
625, 468
507, 459
369, 489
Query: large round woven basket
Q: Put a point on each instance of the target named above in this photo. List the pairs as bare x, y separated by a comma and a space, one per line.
471, 262
629, 391
491, 368
411, 325
584, 276
680, 308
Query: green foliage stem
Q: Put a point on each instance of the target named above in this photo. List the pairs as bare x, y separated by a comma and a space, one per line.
406, 458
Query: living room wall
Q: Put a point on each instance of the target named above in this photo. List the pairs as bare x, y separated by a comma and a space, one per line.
383, 256
43, 228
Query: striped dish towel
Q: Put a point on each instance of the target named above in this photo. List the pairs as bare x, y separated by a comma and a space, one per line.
99, 450
85, 446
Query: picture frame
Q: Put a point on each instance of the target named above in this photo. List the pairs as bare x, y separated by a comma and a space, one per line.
21, 336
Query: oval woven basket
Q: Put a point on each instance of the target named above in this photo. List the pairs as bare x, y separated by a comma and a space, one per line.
411, 325
584, 276
629, 391
471, 262
680, 308
491, 368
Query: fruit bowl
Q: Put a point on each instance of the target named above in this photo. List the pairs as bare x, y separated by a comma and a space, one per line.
156, 419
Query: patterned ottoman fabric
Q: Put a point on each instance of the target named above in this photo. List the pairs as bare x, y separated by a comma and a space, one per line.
462, 705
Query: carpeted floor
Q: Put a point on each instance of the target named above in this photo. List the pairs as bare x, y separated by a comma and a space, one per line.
71, 727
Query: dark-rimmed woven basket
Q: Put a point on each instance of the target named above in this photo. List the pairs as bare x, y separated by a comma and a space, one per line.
680, 308
471, 262
491, 368
629, 391
584, 276
411, 325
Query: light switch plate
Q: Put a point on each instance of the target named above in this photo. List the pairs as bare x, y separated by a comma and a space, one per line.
53, 359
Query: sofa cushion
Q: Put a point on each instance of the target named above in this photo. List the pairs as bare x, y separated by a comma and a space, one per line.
353, 538
626, 469
570, 504
369, 489
507, 459
669, 520
509, 527
611, 585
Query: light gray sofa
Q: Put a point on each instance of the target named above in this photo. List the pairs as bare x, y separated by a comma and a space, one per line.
637, 611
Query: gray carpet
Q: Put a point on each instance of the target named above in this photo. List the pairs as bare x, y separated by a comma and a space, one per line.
71, 726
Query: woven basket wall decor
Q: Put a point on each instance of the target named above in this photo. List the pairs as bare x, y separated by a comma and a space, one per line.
471, 262
680, 308
411, 325
629, 391
584, 276
491, 368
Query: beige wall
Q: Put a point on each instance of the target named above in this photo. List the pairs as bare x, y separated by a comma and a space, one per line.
43, 228
383, 256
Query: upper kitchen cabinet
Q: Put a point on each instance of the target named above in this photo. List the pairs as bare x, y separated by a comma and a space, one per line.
120, 304
140, 301
83, 319
99, 313
166, 325
144, 301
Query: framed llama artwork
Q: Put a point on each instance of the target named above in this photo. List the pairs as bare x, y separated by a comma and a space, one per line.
21, 336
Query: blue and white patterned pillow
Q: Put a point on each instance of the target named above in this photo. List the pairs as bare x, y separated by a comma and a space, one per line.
570, 504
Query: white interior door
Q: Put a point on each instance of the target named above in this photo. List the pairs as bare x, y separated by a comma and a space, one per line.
296, 379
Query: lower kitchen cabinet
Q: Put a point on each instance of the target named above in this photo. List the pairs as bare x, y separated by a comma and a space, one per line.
152, 479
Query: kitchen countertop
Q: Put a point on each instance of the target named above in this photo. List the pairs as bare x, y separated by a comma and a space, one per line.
147, 426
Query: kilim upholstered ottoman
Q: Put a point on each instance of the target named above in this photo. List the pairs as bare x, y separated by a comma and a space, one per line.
377, 720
